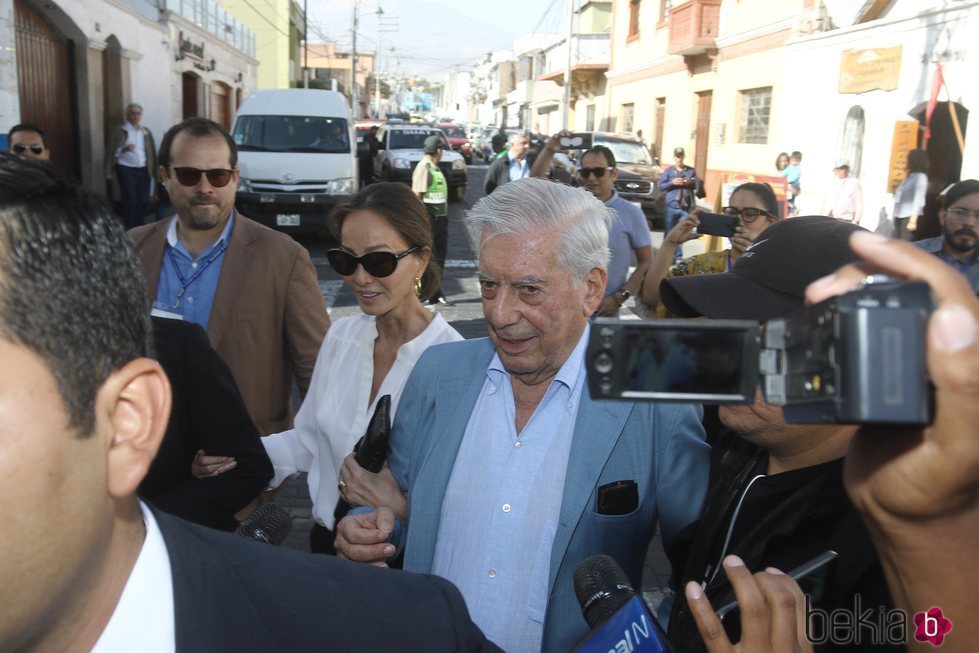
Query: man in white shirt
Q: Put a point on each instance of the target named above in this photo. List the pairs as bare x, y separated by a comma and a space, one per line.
86, 566
132, 156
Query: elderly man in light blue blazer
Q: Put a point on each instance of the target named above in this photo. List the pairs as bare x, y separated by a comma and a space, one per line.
512, 474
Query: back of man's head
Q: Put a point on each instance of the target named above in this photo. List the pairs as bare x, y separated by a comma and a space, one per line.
196, 128
70, 287
532, 205
770, 278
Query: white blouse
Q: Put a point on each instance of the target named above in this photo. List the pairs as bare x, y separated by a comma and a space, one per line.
335, 413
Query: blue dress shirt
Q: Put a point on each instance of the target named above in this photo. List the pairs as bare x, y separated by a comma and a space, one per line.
503, 501
197, 277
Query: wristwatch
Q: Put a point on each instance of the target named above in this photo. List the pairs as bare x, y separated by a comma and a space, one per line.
624, 295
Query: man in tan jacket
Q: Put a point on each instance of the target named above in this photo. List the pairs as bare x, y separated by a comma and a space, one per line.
253, 289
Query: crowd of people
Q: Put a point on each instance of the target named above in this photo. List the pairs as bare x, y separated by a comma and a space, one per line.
144, 384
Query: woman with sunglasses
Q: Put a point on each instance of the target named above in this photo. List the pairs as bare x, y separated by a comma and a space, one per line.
385, 259
756, 207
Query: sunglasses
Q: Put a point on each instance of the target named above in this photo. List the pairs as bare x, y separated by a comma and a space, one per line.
217, 177
376, 264
598, 172
20, 148
746, 215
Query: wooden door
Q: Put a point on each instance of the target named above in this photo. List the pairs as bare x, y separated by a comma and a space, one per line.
703, 132
190, 83
221, 105
45, 77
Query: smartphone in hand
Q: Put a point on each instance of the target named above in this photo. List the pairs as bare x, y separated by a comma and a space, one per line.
717, 224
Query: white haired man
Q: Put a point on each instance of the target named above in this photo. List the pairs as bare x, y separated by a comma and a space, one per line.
513, 474
515, 164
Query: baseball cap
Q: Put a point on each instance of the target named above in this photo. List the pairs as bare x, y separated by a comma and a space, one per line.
432, 144
678, 151
841, 163
770, 278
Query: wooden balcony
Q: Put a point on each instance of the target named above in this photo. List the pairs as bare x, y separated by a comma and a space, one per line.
693, 26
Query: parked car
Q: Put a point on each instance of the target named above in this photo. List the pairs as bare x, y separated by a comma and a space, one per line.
458, 140
401, 148
639, 173
296, 153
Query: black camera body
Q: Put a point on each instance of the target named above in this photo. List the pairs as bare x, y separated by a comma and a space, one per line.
858, 358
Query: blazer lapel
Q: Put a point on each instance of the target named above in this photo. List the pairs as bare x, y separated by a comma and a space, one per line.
596, 432
234, 272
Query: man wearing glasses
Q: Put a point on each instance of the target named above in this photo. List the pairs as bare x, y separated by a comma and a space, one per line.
254, 290
627, 234
957, 244
27, 140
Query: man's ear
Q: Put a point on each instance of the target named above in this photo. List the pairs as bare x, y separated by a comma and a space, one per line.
595, 282
133, 410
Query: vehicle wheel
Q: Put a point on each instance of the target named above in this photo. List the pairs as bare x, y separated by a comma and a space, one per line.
457, 193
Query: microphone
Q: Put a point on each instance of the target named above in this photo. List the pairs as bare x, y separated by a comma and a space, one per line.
616, 614
268, 523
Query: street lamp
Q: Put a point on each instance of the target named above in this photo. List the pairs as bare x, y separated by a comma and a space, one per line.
377, 66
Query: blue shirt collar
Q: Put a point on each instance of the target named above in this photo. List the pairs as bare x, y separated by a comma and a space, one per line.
569, 375
176, 244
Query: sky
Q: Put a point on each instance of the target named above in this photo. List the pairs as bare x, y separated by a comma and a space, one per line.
434, 36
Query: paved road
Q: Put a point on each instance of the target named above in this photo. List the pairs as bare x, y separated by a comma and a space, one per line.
466, 316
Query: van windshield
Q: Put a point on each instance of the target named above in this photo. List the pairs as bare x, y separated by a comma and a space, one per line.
627, 151
292, 134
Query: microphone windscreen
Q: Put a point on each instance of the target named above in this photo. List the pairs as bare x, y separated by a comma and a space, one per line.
268, 523
601, 587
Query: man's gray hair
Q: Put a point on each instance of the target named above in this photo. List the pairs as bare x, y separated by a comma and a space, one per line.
531, 205
515, 135
133, 105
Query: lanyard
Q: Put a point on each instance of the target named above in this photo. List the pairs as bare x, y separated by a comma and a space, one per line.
185, 283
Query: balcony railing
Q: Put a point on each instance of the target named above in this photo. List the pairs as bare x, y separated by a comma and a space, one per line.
693, 26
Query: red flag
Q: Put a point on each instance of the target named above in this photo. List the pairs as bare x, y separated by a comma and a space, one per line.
936, 84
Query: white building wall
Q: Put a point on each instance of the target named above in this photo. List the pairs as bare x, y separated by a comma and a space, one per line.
815, 111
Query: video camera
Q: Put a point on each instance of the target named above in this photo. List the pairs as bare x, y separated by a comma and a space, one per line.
858, 358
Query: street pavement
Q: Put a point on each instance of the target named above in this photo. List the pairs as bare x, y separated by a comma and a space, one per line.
466, 316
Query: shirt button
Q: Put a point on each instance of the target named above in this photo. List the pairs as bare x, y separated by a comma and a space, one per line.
519, 444
194, 265
190, 300
506, 507
492, 573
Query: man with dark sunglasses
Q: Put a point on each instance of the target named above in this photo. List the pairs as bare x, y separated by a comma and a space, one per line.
254, 290
627, 235
27, 140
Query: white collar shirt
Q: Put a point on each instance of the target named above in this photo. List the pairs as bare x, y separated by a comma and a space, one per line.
137, 157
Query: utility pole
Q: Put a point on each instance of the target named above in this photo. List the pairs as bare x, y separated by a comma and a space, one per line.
354, 103
384, 24
305, 45
566, 108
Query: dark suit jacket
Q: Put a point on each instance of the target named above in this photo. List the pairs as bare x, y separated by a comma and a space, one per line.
231, 594
268, 319
499, 171
208, 413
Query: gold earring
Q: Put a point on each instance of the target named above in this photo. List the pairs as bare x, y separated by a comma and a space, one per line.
418, 286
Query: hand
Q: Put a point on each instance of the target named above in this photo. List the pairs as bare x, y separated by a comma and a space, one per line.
908, 478
742, 239
679, 181
364, 538
553, 144
772, 607
609, 307
364, 488
130, 147
204, 466
912, 223
684, 229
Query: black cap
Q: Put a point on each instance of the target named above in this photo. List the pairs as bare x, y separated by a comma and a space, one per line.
678, 151
770, 278
433, 144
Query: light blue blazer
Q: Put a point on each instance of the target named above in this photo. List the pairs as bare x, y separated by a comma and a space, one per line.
660, 446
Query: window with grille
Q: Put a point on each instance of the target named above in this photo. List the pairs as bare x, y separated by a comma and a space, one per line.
628, 112
756, 106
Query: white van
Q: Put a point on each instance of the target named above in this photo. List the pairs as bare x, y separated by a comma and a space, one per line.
297, 156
